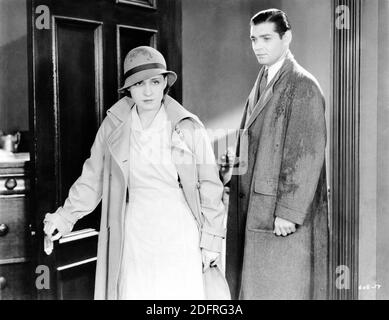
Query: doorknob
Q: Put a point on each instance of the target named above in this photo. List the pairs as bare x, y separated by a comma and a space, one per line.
11, 183
3, 229
3, 283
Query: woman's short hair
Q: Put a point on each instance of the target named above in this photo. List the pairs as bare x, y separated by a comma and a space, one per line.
278, 17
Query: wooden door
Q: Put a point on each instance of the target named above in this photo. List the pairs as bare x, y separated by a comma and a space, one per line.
75, 71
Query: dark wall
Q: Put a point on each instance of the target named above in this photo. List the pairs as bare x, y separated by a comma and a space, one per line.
218, 66
13, 66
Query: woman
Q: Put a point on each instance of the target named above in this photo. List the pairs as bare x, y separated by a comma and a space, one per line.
153, 168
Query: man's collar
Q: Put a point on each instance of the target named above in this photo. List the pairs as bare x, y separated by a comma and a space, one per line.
274, 68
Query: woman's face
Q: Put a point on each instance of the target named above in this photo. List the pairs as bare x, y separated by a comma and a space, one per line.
148, 94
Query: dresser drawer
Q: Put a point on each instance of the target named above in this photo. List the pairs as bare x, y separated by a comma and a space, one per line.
16, 281
13, 184
14, 227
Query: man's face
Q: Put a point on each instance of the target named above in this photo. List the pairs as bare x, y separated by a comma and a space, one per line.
267, 44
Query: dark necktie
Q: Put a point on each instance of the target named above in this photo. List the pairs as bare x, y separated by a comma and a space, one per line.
262, 84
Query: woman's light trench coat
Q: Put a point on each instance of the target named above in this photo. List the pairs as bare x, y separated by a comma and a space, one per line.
105, 177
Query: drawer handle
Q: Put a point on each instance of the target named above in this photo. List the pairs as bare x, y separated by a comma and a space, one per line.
3, 229
11, 183
3, 283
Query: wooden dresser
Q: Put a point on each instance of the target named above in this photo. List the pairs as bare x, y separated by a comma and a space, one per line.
16, 272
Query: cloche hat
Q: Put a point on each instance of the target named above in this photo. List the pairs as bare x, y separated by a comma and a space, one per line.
142, 63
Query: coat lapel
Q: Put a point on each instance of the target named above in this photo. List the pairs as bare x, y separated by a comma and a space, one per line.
185, 163
119, 141
179, 143
254, 92
263, 100
268, 94
175, 113
182, 154
250, 101
119, 146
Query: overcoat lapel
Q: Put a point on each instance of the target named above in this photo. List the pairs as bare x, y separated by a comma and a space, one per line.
253, 97
268, 94
263, 100
119, 140
182, 155
185, 163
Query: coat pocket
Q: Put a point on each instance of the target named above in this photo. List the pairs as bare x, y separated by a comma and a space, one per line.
266, 186
260, 216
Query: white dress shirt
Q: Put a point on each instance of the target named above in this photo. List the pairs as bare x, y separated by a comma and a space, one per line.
273, 69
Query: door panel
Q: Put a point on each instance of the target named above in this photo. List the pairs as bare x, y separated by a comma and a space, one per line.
76, 283
129, 37
75, 71
77, 85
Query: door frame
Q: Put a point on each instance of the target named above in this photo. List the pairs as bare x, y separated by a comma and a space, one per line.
344, 150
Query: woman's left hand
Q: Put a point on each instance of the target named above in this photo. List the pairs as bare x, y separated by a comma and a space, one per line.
209, 257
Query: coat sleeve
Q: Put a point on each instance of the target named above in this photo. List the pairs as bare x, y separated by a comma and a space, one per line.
303, 153
210, 191
86, 192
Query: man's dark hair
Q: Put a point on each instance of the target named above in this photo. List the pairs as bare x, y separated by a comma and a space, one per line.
279, 18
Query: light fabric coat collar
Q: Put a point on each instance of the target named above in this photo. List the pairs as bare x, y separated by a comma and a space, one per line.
119, 140
120, 111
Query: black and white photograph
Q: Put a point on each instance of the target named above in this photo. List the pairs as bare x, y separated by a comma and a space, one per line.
193, 151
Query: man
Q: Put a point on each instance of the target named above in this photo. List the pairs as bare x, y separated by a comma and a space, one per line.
277, 230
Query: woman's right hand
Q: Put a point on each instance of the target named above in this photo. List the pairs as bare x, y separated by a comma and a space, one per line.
54, 226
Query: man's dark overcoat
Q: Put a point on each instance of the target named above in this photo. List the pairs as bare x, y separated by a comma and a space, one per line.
280, 167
